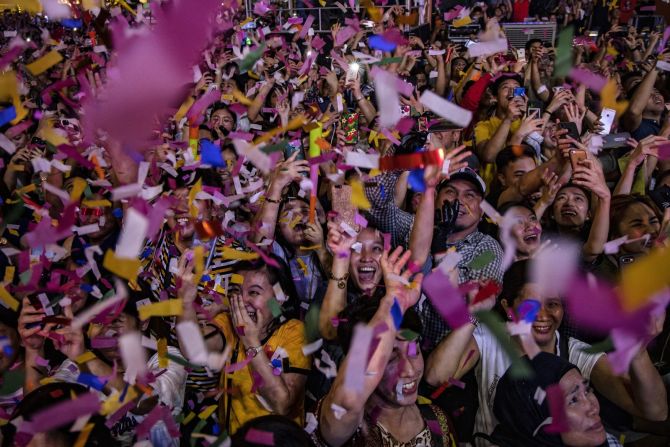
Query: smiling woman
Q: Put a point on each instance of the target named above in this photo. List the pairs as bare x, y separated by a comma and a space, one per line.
267, 371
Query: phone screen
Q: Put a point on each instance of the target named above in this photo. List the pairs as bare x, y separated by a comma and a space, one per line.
607, 118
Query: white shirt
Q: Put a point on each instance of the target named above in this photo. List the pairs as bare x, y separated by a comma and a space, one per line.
494, 362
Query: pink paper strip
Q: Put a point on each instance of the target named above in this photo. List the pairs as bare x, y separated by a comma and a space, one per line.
65, 412
446, 299
256, 436
559, 421
305, 27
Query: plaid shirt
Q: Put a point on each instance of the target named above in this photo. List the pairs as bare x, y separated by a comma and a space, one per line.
384, 214
612, 441
473, 245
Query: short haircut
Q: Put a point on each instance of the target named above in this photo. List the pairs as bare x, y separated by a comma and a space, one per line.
513, 153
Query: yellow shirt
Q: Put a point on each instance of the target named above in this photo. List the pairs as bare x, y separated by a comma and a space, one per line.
484, 130
244, 404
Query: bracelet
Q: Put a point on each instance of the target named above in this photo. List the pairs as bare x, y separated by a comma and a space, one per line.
267, 199
341, 282
360, 98
474, 320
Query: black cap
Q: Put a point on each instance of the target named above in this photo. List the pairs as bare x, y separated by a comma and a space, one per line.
468, 174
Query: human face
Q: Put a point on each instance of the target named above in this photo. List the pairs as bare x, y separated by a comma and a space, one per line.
222, 118
526, 230
99, 215
582, 411
548, 319
181, 219
293, 222
656, 103
458, 66
515, 170
639, 220
9, 347
448, 139
404, 370
571, 207
421, 80
255, 293
122, 324
470, 212
505, 91
365, 267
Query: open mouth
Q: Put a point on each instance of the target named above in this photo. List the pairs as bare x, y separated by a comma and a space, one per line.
568, 212
543, 329
252, 314
596, 427
531, 238
183, 221
366, 273
409, 388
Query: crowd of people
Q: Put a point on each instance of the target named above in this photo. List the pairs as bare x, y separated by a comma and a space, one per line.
225, 227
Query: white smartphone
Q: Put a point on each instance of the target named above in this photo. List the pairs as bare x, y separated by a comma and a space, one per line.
521, 55
607, 118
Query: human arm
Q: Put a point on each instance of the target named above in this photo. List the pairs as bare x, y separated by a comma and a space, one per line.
644, 148
335, 430
459, 345
257, 104
362, 102
281, 392
339, 242
590, 175
632, 118
284, 173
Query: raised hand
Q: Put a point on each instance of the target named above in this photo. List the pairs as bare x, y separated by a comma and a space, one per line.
396, 278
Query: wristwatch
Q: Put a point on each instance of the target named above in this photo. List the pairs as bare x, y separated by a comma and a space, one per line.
253, 351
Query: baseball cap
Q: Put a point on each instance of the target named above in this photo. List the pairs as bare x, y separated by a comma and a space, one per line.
468, 174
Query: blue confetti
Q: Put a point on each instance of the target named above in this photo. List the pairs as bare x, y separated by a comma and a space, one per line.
72, 23
211, 154
117, 212
6, 115
382, 192
415, 180
377, 42
216, 430
276, 363
86, 287
91, 381
396, 313
528, 310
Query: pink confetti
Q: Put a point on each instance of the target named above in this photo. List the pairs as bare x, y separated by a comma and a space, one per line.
260, 437
344, 35
387, 241
451, 15
664, 151
318, 43
588, 78
62, 413
305, 27
405, 125
360, 220
446, 299
559, 421
434, 427
456, 382
199, 106
149, 67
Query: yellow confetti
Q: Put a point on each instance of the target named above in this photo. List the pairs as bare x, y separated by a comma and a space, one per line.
161, 344
85, 358
83, 435
113, 402
9, 91
296, 220
90, 4
358, 198
641, 280
78, 187
44, 63
8, 299
302, 265
191, 198
609, 94
167, 308
189, 418
423, 400
124, 268
311, 247
199, 256
314, 134
96, 203
236, 279
181, 113
241, 98
207, 412
462, 22
231, 253
296, 122
9, 274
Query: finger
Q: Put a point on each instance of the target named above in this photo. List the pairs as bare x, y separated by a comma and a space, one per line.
393, 258
400, 265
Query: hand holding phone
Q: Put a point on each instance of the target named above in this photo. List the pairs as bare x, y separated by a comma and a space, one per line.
346, 211
576, 157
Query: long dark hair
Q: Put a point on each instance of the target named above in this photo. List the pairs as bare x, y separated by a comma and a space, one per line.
281, 274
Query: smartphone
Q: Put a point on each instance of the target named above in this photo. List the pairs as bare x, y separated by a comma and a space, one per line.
533, 112
352, 73
576, 155
519, 91
572, 129
405, 110
346, 211
521, 55
292, 147
558, 89
607, 118
349, 124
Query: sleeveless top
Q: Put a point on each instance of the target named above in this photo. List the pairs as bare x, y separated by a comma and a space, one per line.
437, 432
